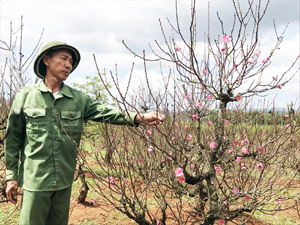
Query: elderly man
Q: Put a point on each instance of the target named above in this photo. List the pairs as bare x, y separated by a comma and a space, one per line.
52, 114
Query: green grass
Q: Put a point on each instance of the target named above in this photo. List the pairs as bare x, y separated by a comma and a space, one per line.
8, 215
89, 221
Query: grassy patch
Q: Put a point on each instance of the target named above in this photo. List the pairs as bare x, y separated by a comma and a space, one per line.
8, 215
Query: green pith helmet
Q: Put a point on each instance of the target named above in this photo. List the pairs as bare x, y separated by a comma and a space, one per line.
40, 68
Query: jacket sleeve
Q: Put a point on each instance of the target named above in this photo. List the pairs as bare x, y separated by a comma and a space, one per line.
15, 136
100, 113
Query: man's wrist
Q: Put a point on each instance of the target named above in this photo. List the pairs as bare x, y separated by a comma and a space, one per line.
138, 118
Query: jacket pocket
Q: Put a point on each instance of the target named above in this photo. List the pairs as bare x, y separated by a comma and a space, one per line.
71, 121
35, 120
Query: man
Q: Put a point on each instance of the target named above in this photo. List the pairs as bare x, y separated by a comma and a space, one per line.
50, 121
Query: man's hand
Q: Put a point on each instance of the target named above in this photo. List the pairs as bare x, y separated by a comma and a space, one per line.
151, 118
11, 191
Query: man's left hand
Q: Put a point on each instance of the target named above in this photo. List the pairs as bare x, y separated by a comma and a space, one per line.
151, 118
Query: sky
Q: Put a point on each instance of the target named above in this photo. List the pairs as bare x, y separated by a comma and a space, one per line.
99, 27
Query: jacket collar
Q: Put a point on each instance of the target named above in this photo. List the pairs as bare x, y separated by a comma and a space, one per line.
65, 90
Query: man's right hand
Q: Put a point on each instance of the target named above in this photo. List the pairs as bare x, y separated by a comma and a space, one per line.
11, 191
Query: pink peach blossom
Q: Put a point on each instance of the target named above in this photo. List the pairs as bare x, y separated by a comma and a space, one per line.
236, 111
177, 48
235, 143
286, 116
225, 203
179, 172
268, 58
222, 49
195, 117
198, 104
278, 201
189, 137
257, 54
229, 151
260, 149
247, 198
181, 179
188, 95
243, 168
218, 170
209, 123
242, 142
245, 150
260, 166
192, 166
173, 138
239, 98
111, 180
247, 141
263, 61
149, 132
140, 160
209, 96
126, 149
150, 148
162, 160
221, 222
176, 124
226, 122
186, 127
226, 39
213, 144
205, 71
238, 159
280, 87
235, 191
287, 126
250, 61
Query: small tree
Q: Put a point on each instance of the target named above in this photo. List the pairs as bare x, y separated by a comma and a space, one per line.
230, 163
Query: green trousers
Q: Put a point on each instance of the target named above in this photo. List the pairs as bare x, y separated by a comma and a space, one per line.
45, 207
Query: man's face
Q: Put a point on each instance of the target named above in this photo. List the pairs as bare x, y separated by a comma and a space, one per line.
59, 65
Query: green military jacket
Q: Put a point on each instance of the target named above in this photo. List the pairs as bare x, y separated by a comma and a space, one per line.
48, 156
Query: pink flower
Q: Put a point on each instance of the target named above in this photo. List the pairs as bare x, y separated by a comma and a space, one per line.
238, 159
235, 69
111, 180
243, 168
221, 222
245, 150
170, 159
226, 122
176, 124
177, 48
218, 170
140, 160
149, 132
247, 198
213, 144
162, 160
224, 138
242, 142
209, 96
235, 143
158, 222
205, 71
236, 110
195, 117
235, 191
181, 179
260, 166
188, 95
260, 149
179, 172
209, 123
278, 201
229, 151
287, 126
225, 203
226, 39
268, 58
98, 148
257, 54
192, 166
126, 149
186, 127
222, 49
207, 138
247, 141
173, 139
94, 203
250, 61
239, 98
81, 142
150, 148
280, 86
189, 137
172, 114
263, 61
286, 116
198, 104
